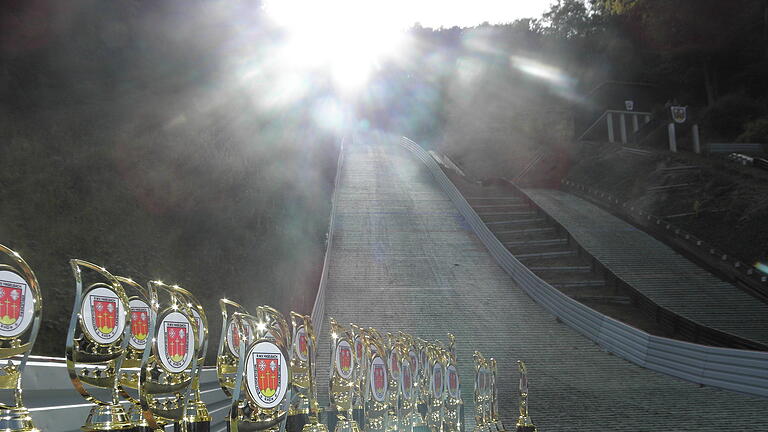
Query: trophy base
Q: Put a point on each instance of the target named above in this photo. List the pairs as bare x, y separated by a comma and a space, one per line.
16, 420
357, 416
296, 422
202, 426
104, 418
343, 425
525, 428
421, 428
314, 427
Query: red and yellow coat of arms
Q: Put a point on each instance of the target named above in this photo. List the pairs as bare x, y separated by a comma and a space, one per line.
11, 303
104, 315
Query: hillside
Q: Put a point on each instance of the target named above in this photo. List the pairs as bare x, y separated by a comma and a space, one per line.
156, 160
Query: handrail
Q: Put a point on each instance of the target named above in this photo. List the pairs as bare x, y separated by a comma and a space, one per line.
606, 112
318, 310
731, 369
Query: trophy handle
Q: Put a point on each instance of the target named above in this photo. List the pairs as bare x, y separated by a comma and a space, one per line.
71, 353
34, 287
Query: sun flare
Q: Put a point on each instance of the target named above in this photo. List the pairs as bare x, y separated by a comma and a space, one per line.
347, 38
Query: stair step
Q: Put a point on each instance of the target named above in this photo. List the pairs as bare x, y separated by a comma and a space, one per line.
526, 230
524, 213
580, 284
486, 198
603, 299
561, 269
545, 255
543, 242
498, 206
516, 221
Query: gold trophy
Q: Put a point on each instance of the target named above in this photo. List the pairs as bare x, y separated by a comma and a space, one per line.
419, 383
356, 335
229, 344
141, 319
169, 362
481, 408
303, 373
393, 365
261, 394
377, 383
406, 385
20, 310
197, 418
413, 417
524, 423
453, 418
436, 393
341, 385
97, 339
298, 413
423, 379
496, 425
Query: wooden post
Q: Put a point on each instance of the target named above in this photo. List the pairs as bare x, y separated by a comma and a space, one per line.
609, 119
672, 138
696, 141
623, 128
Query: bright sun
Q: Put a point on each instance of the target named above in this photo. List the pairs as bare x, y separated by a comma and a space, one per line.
347, 37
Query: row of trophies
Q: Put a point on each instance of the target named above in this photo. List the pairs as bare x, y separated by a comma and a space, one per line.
147, 345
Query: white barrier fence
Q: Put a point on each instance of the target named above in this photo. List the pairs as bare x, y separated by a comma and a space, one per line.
731, 369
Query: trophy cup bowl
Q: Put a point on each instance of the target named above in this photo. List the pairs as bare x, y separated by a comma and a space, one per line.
20, 311
97, 339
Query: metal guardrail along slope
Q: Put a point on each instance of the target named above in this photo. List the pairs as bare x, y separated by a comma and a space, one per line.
318, 310
736, 370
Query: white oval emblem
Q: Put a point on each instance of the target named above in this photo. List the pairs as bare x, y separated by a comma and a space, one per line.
436, 381
175, 342
234, 337
343, 359
453, 381
16, 304
406, 383
301, 344
378, 379
394, 364
102, 315
266, 372
140, 318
